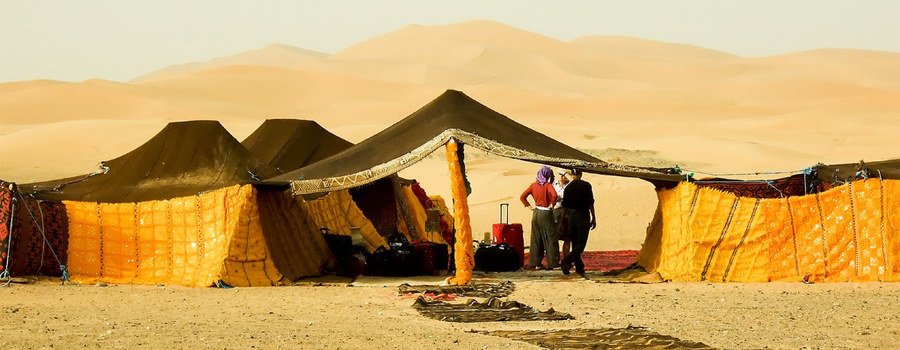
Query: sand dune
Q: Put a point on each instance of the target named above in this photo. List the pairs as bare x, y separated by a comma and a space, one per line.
874, 69
631, 100
67, 148
644, 49
453, 43
51, 102
266, 92
275, 55
6, 88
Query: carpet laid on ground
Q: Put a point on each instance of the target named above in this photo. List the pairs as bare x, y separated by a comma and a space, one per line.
604, 260
608, 338
482, 290
492, 310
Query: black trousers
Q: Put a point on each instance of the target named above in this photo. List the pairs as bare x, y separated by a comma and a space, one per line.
578, 227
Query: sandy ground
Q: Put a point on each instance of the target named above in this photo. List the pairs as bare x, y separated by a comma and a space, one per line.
735, 316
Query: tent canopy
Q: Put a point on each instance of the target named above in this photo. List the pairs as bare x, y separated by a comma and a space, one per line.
290, 144
450, 115
838, 173
183, 159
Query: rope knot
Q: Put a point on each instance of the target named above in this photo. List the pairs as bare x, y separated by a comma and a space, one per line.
65, 274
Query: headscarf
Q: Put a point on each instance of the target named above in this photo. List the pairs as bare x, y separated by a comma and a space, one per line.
544, 175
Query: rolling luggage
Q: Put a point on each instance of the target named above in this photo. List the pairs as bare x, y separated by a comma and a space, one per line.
496, 258
511, 234
397, 261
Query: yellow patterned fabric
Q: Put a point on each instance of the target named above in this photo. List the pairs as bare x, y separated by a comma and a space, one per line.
249, 262
649, 255
667, 238
464, 256
191, 241
338, 212
418, 216
848, 233
298, 248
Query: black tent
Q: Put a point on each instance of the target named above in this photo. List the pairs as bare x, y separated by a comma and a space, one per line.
290, 144
451, 115
183, 159
839, 173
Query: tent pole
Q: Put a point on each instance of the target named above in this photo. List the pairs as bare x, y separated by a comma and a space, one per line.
464, 255
404, 208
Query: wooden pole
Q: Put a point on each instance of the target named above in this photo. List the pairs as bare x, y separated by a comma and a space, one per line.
404, 208
464, 257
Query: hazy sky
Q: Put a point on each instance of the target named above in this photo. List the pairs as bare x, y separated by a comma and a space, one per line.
120, 40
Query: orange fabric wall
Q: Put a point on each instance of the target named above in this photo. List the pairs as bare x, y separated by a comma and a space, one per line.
192, 241
848, 233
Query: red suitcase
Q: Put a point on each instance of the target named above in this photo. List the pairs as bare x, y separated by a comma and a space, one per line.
511, 234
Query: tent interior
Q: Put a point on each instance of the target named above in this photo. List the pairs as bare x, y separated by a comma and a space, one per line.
288, 144
454, 120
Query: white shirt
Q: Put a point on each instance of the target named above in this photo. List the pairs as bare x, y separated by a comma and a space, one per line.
559, 194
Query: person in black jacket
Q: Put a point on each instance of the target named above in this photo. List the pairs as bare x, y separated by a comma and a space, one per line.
577, 220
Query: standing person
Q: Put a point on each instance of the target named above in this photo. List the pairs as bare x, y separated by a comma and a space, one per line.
578, 219
543, 234
560, 187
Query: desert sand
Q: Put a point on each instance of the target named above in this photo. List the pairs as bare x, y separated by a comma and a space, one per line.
733, 316
629, 100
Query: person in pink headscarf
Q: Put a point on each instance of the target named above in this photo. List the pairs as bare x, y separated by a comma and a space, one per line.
544, 236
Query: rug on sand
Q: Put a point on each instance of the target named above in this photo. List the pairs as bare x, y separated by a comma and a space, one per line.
604, 260
482, 290
492, 310
609, 338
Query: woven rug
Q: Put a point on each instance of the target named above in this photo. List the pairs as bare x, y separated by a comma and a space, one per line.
492, 310
609, 338
500, 290
604, 260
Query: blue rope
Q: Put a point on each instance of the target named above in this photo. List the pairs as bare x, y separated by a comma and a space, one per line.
222, 284
731, 181
65, 273
776, 188
805, 170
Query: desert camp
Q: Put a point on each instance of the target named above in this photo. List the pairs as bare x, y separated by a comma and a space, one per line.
299, 176
162, 215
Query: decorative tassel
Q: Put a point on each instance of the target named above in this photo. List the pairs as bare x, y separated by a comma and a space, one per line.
464, 257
